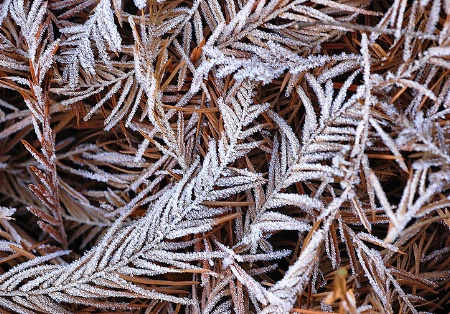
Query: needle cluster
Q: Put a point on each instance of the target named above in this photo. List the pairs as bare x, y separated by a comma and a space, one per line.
224, 156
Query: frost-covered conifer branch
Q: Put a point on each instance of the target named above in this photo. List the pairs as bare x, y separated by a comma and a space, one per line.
219, 156
38, 103
99, 27
166, 219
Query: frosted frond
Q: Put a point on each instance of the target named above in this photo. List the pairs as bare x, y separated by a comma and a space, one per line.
100, 25
224, 156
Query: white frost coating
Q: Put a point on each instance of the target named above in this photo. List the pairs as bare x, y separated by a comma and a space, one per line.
6, 212
140, 4
223, 121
